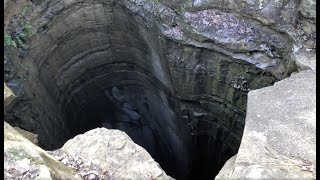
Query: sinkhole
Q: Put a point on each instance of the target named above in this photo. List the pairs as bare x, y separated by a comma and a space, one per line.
96, 65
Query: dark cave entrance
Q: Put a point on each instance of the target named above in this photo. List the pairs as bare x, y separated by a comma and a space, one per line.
139, 110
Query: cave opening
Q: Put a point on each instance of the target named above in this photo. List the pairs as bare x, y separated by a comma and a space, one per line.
97, 65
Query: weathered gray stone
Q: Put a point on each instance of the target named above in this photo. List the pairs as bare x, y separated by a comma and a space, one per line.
308, 8
24, 160
115, 151
44, 173
227, 169
16, 86
174, 62
9, 98
112, 150
305, 60
28, 135
279, 139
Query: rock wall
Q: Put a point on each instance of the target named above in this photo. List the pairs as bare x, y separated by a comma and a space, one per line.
212, 89
174, 75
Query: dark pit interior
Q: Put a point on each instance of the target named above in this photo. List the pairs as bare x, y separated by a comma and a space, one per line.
96, 65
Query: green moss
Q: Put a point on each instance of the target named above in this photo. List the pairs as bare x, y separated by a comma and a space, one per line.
26, 10
8, 41
28, 29
21, 39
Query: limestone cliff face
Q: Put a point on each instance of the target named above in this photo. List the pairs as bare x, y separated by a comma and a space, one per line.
174, 75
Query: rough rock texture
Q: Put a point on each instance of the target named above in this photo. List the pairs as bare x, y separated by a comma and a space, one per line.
9, 98
115, 151
30, 136
227, 169
305, 60
24, 160
90, 172
118, 66
279, 139
98, 154
174, 75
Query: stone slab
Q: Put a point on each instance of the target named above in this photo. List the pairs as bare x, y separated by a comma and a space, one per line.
279, 139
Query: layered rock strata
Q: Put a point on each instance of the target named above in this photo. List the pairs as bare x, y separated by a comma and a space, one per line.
173, 75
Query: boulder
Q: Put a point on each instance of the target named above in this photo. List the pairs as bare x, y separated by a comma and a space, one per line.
24, 160
279, 139
114, 150
97, 154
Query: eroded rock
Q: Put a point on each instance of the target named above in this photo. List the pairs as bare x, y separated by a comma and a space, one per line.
181, 70
114, 150
30, 136
279, 139
98, 154
23, 159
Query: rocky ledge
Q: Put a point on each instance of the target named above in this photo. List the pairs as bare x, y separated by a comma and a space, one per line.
279, 138
98, 154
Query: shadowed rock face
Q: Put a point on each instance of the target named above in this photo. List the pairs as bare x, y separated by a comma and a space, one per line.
103, 69
107, 64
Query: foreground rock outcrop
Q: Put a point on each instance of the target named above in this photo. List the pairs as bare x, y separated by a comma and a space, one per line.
279, 139
24, 160
98, 154
115, 151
